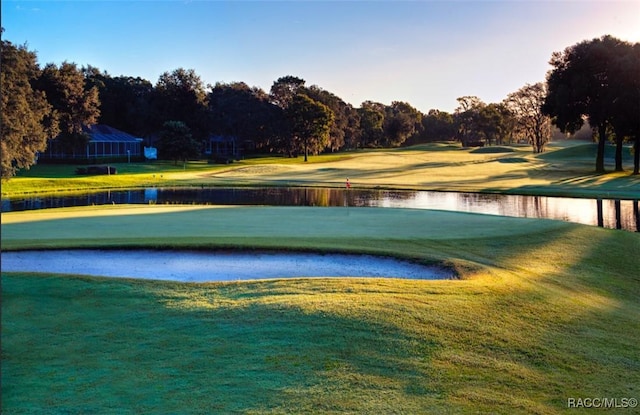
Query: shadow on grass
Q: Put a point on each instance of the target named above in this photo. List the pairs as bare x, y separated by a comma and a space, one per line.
586, 151
570, 318
493, 150
481, 184
608, 185
99, 346
513, 160
612, 182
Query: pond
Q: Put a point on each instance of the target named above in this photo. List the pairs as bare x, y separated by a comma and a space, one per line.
609, 213
195, 266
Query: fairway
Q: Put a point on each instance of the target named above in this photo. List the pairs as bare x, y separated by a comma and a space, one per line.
566, 169
543, 311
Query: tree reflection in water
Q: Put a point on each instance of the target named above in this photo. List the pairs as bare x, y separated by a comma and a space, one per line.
616, 214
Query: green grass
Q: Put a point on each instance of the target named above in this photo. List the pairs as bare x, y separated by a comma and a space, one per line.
587, 152
564, 170
544, 311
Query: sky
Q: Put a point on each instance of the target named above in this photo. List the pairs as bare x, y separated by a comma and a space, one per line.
426, 53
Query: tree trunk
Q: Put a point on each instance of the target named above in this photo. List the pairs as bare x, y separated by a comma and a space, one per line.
602, 137
636, 156
619, 139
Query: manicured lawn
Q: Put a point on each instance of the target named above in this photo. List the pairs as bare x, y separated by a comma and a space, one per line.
565, 169
544, 311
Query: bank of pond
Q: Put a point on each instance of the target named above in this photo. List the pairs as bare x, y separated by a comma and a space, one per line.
604, 212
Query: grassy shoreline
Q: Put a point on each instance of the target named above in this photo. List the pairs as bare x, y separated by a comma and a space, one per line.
565, 170
545, 311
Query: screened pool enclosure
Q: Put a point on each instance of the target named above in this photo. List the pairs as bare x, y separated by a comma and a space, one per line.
104, 142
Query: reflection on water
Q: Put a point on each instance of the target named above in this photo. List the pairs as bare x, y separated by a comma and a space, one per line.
618, 214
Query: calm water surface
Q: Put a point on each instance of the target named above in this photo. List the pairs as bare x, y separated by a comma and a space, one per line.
617, 214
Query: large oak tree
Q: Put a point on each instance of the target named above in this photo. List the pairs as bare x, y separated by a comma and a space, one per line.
310, 123
180, 95
23, 110
75, 104
586, 83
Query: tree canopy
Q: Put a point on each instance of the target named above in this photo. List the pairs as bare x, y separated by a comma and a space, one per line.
176, 142
526, 106
284, 89
23, 109
235, 109
124, 101
594, 81
75, 104
310, 124
180, 95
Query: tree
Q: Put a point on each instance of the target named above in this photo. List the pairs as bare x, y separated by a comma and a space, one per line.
371, 122
479, 123
124, 101
494, 123
626, 106
352, 132
243, 112
284, 89
310, 124
180, 96
436, 126
23, 110
583, 84
526, 105
74, 103
345, 128
176, 142
401, 121
467, 119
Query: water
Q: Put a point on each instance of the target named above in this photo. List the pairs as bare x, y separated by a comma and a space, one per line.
609, 213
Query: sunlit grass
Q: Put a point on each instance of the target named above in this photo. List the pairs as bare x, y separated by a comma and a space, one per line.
545, 311
160, 225
563, 170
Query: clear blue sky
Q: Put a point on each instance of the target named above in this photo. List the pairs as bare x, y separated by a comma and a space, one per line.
426, 53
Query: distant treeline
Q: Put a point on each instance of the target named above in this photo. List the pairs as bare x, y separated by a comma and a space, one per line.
39, 103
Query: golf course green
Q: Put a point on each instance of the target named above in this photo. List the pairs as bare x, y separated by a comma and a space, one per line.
543, 313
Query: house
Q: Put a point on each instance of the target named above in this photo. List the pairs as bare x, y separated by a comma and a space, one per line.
104, 142
219, 147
